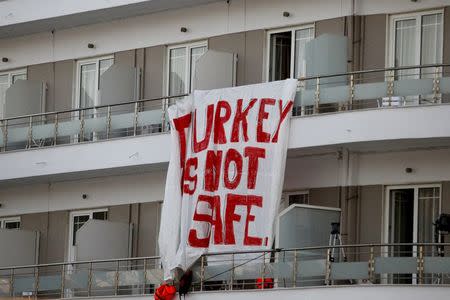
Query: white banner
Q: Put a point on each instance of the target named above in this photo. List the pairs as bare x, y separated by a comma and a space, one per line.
225, 177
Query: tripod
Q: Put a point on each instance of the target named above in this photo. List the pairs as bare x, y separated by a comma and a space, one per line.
336, 240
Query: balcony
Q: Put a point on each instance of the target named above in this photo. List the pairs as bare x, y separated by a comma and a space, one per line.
351, 266
393, 108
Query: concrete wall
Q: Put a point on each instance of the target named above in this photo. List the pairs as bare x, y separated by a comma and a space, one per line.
328, 196
249, 47
64, 84
370, 214
125, 57
374, 42
362, 219
154, 72
46, 74
148, 226
38, 222
58, 229
336, 26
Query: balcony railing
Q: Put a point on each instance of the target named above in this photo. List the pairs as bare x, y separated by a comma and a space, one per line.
369, 89
413, 264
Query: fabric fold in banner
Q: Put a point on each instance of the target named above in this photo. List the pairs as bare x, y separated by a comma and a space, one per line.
226, 171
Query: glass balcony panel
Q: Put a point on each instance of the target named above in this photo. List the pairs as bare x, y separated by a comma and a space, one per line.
5, 286
445, 85
373, 90
283, 269
395, 265
69, 128
155, 276
77, 279
247, 271
150, 117
103, 279
334, 94
24, 284
50, 284
17, 134
349, 270
413, 87
94, 125
311, 268
437, 265
43, 131
218, 272
122, 121
306, 97
131, 278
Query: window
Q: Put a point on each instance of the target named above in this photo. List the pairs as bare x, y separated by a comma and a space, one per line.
286, 52
88, 80
416, 39
6, 80
410, 214
77, 220
181, 66
301, 197
10, 223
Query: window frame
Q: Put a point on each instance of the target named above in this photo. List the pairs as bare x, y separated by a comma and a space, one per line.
292, 29
188, 46
72, 214
299, 192
392, 19
11, 74
3, 222
77, 81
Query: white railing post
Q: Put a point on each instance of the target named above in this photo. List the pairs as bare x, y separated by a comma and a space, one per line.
81, 138
390, 86
352, 92
135, 122
30, 131
5, 134
55, 130
317, 96
108, 122
294, 270
202, 272
436, 85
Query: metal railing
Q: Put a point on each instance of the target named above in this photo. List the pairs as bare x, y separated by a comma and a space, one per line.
368, 89
377, 88
89, 124
414, 264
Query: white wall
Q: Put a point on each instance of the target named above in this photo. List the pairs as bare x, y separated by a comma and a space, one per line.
104, 155
386, 168
20, 11
396, 127
67, 195
164, 27
301, 173
389, 168
387, 124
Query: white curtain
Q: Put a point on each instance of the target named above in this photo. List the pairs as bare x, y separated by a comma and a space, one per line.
302, 37
405, 46
431, 44
4, 84
177, 71
87, 85
195, 55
